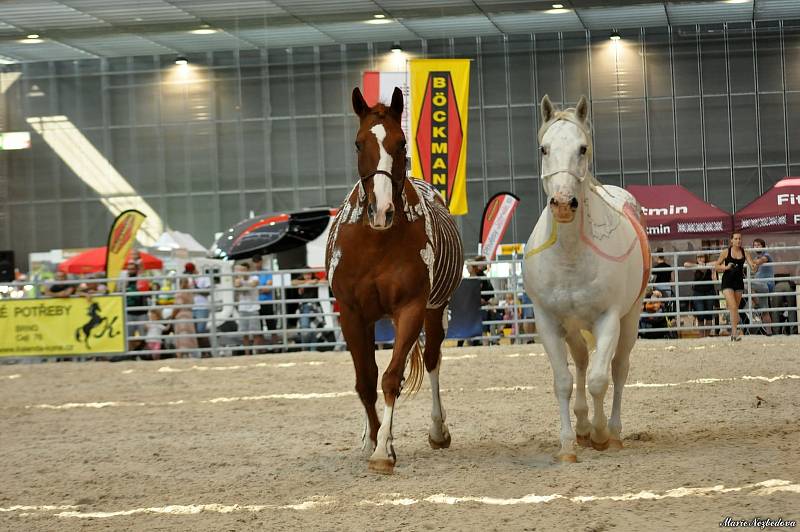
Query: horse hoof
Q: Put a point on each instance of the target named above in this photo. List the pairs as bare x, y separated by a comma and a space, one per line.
600, 446
383, 466
567, 458
614, 445
584, 441
439, 444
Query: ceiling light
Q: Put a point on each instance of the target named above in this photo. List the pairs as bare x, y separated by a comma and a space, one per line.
737, 1
377, 21
33, 36
180, 60
31, 41
614, 36
558, 6
396, 48
203, 31
556, 11
379, 15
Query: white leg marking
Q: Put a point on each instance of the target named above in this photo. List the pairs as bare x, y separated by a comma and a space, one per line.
366, 442
439, 432
384, 449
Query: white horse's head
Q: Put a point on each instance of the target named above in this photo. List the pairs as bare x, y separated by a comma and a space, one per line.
566, 146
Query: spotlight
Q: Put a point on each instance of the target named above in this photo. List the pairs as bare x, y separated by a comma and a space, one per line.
558, 6
615, 36
180, 60
379, 15
396, 48
33, 36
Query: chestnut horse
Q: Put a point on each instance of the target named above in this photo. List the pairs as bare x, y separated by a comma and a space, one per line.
393, 250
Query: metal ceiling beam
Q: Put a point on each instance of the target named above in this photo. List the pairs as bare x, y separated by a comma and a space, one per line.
281, 14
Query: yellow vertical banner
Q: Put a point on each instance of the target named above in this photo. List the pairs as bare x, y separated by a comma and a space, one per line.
120, 240
61, 326
440, 100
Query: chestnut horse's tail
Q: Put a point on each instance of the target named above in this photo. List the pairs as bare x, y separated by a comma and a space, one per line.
417, 372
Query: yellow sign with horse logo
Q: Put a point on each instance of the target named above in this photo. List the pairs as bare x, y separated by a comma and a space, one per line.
61, 326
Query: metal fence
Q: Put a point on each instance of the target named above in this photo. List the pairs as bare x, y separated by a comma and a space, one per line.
214, 313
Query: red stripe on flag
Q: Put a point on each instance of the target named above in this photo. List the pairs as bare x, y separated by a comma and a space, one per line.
372, 87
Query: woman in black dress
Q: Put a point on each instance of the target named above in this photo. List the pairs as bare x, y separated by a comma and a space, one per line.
731, 264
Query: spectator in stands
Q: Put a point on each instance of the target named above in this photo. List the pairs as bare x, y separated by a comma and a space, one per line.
185, 339
662, 274
649, 320
703, 287
528, 326
132, 287
154, 331
308, 311
478, 269
246, 296
509, 306
265, 298
200, 309
763, 283
59, 287
93, 286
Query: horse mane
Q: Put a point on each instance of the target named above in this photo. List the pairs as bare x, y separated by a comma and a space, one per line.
381, 111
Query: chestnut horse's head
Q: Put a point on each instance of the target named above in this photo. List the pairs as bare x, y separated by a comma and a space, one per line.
381, 147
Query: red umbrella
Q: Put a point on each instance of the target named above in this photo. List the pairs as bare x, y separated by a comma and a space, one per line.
94, 261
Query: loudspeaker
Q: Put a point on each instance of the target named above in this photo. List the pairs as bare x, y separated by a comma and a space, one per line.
6, 266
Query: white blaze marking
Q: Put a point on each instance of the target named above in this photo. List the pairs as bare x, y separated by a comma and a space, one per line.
383, 185
385, 162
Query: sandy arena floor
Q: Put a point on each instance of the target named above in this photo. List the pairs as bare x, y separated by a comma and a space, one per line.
272, 443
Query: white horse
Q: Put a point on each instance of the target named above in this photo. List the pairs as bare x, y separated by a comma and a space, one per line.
586, 267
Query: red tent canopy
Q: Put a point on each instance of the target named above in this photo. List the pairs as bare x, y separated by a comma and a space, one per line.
94, 261
775, 211
672, 212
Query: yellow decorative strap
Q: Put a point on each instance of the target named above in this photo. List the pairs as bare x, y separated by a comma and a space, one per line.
550, 241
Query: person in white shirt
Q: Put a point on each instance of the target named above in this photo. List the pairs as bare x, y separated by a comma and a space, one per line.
246, 296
